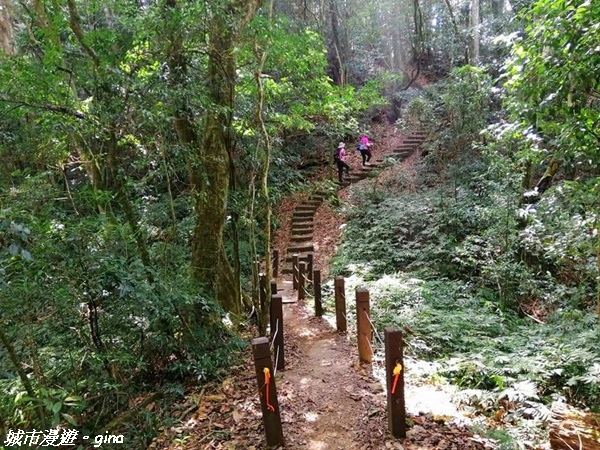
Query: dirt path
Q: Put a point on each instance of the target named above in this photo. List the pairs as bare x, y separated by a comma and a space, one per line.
324, 394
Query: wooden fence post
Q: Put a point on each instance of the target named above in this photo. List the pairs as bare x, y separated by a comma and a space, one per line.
363, 325
277, 330
309, 268
273, 287
394, 367
317, 293
268, 392
275, 263
340, 303
295, 271
301, 281
262, 297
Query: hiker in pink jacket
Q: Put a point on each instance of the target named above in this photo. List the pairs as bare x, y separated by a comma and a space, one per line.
365, 149
339, 157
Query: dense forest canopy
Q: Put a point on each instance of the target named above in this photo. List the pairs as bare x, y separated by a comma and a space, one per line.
144, 144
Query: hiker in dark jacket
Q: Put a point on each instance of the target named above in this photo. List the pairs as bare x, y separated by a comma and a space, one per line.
339, 158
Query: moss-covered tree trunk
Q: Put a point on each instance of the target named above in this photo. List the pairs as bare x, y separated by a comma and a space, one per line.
210, 265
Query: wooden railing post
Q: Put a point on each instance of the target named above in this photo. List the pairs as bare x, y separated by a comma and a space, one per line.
394, 366
363, 326
340, 303
295, 271
309, 268
268, 392
317, 293
275, 263
301, 281
273, 287
277, 330
262, 297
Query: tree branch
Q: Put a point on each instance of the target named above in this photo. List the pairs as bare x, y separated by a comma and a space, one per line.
74, 20
52, 108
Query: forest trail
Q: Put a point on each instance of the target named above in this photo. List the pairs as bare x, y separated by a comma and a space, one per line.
327, 400
324, 396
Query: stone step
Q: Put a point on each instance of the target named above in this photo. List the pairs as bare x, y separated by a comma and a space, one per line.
303, 214
306, 225
299, 219
301, 258
305, 248
304, 211
298, 239
304, 228
299, 226
302, 237
302, 231
402, 155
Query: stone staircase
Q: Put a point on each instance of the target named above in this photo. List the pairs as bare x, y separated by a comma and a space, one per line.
301, 242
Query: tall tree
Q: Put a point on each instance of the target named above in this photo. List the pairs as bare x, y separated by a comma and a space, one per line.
7, 35
212, 151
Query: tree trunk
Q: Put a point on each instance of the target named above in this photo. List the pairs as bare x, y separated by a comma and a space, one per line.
337, 61
475, 25
209, 158
7, 35
12, 354
209, 262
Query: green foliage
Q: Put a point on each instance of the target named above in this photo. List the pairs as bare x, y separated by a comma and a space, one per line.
471, 266
82, 315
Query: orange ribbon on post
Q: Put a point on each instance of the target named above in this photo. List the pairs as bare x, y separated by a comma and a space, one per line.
267, 373
396, 374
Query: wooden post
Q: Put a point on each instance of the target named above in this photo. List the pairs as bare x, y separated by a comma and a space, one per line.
309, 268
396, 410
301, 281
275, 263
268, 403
317, 292
277, 330
340, 303
273, 287
262, 296
295, 271
363, 326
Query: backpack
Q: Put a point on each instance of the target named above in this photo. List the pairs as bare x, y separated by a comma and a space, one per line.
336, 154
